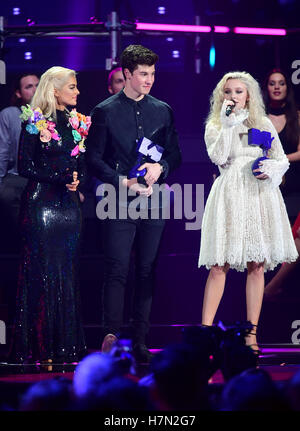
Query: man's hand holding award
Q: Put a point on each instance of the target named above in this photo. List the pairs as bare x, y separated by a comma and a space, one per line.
147, 170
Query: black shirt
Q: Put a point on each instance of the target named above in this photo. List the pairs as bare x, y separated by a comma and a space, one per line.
117, 123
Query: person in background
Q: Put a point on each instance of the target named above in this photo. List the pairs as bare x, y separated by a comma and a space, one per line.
277, 284
12, 184
282, 110
116, 80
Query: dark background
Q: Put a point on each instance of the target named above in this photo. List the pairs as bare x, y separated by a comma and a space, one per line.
180, 284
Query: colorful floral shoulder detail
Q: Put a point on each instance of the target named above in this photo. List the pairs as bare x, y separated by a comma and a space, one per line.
80, 124
38, 124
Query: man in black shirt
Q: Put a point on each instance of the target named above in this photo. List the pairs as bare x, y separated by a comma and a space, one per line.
119, 123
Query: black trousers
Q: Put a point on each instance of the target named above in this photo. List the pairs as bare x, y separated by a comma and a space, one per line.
119, 236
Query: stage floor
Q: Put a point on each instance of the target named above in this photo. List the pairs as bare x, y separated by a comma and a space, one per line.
281, 361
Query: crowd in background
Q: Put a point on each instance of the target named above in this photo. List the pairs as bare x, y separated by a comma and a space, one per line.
178, 379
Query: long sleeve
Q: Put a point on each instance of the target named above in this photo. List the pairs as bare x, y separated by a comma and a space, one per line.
4, 145
10, 129
82, 172
171, 157
276, 166
218, 143
219, 139
33, 166
118, 123
97, 142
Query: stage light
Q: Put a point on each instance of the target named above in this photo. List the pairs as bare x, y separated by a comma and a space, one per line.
173, 27
260, 31
212, 56
170, 39
161, 10
175, 54
22, 40
148, 26
16, 11
221, 29
30, 22
28, 55
94, 19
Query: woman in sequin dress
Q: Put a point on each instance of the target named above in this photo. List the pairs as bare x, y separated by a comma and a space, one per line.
245, 224
48, 323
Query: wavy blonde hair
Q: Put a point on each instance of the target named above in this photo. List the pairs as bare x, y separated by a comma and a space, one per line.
255, 104
54, 78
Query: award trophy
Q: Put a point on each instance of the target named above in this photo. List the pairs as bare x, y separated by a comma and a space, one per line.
147, 152
263, 140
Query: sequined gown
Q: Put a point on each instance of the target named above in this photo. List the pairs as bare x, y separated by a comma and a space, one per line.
48, 322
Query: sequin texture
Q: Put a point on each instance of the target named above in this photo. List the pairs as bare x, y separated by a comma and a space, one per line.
48, 321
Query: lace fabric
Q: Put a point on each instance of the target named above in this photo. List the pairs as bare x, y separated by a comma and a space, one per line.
234, 118
275, 169
245, 218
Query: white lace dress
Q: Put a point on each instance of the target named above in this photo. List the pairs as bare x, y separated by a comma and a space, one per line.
245, 218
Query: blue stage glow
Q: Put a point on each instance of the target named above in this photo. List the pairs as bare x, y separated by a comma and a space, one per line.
212, 57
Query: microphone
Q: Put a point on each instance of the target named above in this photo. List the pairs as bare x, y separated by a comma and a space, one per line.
229, 109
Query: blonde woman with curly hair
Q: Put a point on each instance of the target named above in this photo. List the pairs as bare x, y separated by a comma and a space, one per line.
245, 225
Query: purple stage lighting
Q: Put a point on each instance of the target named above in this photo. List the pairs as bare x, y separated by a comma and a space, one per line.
175, 54
173, 27
30, 22
28, 55
22, 40
260, 31
16, 11
221, 29
94, 19
207, 29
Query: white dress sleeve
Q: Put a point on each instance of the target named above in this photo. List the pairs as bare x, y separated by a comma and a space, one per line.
218, 143
219, 140
277, 164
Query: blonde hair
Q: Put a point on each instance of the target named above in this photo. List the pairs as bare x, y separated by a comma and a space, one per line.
255, 104
54, 78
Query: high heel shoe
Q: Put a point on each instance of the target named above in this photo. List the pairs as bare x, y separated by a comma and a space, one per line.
252, 331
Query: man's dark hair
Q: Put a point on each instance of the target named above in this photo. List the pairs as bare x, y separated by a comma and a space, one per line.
134, 55
15, 100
